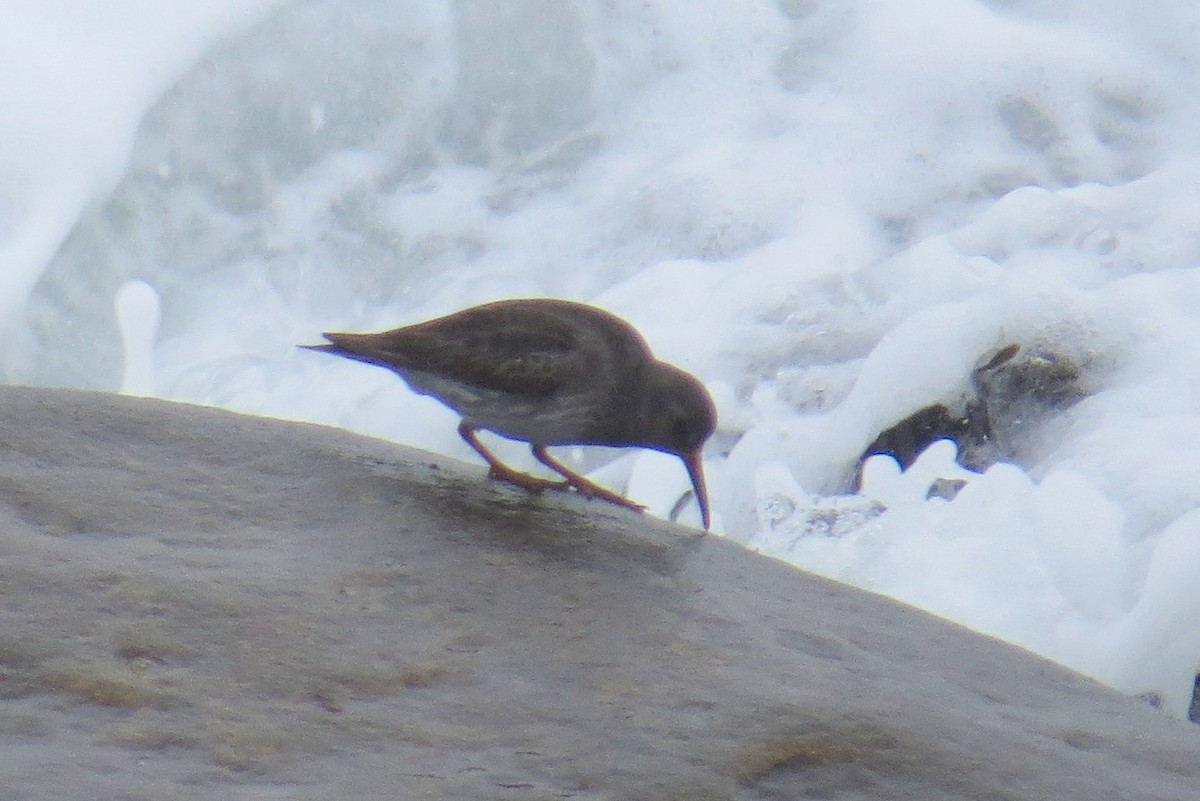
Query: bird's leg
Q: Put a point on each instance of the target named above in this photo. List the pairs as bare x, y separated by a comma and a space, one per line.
587, 488
502, 472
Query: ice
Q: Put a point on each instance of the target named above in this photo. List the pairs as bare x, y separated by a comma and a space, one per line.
833, 213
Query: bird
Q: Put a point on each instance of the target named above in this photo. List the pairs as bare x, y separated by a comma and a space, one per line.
548, 372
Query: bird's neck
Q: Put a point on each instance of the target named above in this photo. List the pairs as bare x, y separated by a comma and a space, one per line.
636, 406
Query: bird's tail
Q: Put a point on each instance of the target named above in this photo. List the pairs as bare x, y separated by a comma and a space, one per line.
368, 348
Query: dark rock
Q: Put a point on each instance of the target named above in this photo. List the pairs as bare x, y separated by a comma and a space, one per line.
207, 606
945, 488
1194, 707
1014, 392
907, 439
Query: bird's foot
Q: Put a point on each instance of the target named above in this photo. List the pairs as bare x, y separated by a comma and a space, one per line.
583, 486
531, 483
589, 489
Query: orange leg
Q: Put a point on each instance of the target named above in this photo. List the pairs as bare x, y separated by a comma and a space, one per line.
502, 472
586, 488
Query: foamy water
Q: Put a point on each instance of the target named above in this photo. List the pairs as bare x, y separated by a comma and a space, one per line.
831, 212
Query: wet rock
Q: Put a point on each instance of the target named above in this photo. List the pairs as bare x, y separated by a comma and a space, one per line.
1014, 392
242, 606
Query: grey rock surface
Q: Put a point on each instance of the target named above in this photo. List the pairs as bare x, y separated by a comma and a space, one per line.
195, 604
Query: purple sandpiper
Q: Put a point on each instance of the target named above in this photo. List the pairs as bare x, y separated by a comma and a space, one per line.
548, 372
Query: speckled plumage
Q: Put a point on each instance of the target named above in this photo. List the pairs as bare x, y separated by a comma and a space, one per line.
547, 372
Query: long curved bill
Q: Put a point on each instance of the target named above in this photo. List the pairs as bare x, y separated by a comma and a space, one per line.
695, 468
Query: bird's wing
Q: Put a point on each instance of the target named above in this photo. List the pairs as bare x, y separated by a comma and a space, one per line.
524, 349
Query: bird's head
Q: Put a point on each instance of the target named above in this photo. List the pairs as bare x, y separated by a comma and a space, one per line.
678, 416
